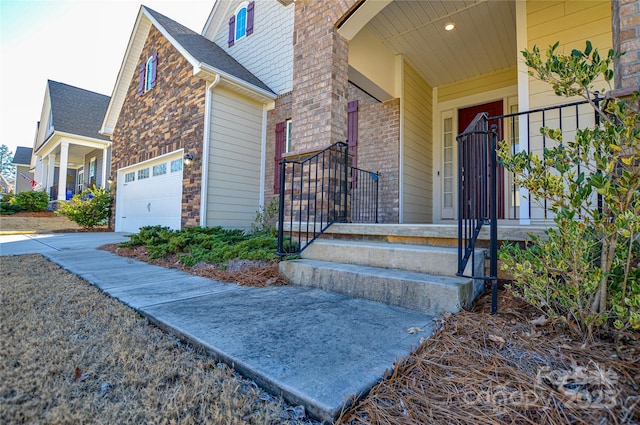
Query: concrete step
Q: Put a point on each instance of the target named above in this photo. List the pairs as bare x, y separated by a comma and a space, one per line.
417, 258
422, 292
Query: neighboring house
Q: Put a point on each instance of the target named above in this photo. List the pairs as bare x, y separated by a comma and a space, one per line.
67, 141
5, 185
24, 181
180, 97
271, 79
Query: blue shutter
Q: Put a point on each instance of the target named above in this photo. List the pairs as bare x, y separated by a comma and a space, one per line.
154, 66
232, 30
141, 72
250, 9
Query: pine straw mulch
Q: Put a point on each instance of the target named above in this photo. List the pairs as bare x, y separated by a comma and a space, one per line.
512, 368
69, 354
240, 272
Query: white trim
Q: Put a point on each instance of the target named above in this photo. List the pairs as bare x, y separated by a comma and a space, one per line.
263, 155
361, 17
436, 146
523, 98
204, 185
400, 90
149, 162
105, 161
245, 5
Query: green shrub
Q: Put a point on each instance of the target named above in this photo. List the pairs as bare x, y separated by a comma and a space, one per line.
32, 201
8, 204
213, 245
586, 270
266, 219
90, 208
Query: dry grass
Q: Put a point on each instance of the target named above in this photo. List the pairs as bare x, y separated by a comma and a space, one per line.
508, 369
71, 354
41, 222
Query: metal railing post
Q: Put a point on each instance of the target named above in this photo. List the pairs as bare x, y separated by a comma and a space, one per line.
493, 216
345, 191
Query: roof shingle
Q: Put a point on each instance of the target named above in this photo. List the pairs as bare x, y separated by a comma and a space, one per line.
22, 156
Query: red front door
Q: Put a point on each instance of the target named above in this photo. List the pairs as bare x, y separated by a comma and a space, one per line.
493, 109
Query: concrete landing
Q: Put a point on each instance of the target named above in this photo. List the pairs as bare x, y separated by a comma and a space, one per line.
315, 348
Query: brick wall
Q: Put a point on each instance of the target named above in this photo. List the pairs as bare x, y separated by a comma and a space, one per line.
281, 112
168, 117
320, 68
379, 148
626, 29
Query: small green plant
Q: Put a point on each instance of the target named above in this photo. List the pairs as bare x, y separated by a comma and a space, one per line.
586, 271
32, 201
90, 208
8, 204
214, 245
266, 218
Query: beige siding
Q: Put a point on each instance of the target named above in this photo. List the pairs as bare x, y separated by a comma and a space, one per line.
418, 148
234, 160
571, 23
495, 80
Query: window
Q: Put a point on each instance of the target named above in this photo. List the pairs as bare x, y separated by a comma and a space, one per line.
176, 165
241, 23
50, 122
160, 169
93, 168
288, 147
80, 179
129, 177
147, 74
143, 174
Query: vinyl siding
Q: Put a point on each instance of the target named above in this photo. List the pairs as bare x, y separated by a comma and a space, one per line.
234, 160
571, 23
268, 52
495, 80
418, 148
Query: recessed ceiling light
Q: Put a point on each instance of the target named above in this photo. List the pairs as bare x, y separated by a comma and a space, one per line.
449, 26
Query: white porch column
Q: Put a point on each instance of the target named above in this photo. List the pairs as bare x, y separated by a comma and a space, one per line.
51, 166
105, 165
523, 100
62, 171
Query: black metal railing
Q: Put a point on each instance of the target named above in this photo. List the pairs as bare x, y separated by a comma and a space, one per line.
477, 189
521, 130
487, 192
320, 190
363, 207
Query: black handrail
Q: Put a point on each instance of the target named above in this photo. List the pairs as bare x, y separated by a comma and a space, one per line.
320, 190
313, 196
477, 205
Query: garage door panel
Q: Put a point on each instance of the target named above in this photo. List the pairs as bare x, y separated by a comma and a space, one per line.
156, 200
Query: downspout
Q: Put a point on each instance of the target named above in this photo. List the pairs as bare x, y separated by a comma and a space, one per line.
204, 180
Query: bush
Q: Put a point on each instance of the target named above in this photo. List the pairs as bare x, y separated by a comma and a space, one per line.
8, 204
32, 201
586, 271
90, 208
213, 245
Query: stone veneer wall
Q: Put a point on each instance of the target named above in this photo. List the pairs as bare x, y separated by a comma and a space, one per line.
320, 66
379, 148
281, 112
626, 30
168, 117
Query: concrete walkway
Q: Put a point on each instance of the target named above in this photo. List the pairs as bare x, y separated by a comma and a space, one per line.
316, 348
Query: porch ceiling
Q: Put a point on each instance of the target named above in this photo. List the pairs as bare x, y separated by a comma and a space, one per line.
483, 41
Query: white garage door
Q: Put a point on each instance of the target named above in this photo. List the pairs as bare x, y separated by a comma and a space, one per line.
150, 194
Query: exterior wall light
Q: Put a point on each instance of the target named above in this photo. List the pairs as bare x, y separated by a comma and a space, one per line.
188, 159
110, 180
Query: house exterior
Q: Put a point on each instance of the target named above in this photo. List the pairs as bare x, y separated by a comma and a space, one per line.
67, 142
24, 181
178, 97
271, 79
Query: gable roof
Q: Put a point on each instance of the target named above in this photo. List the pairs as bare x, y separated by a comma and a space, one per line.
206, 51
22, 156
77, 111
209, 61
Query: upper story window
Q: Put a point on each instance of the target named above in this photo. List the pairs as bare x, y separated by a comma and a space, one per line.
50, 123
241, 23
147, 74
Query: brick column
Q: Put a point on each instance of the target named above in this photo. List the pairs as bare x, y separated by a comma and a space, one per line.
626, 38
320, 65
